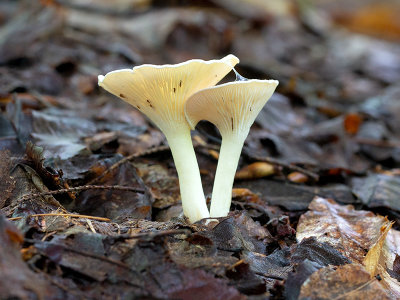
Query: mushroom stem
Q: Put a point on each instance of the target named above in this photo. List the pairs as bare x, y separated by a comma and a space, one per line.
192, 195
229, 155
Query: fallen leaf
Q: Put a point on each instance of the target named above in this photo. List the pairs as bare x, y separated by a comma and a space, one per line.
296, 279
255, 170
298, 177
163, 186
294, 197
381, 258
198, 285
308, 257
374, 254
376, 19
350, 231
352, 123
7, 183
342, 282
246, 195
16, 279
378, 190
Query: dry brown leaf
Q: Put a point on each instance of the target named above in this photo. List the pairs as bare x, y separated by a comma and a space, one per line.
352, 123
255, 170
344, 282
245, 195
387, 247
297, 177
241, 192
376, 253
352, 232
376, 19
163, 186
7, 183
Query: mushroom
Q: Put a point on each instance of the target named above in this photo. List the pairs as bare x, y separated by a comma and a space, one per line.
232, 108
160, 92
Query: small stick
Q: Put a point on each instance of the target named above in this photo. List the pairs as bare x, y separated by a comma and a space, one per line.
239, 262
63, 215
83, 188
90, 225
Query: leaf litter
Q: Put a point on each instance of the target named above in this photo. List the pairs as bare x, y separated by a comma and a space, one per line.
315, 199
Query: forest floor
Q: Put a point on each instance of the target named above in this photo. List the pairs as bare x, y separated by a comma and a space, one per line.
89, 196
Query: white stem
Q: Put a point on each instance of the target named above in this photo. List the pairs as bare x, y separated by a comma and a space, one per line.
229, 155
192, 195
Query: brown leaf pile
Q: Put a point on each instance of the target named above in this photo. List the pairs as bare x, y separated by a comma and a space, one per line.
89, 196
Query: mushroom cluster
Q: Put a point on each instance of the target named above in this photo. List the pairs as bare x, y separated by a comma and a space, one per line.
175, 98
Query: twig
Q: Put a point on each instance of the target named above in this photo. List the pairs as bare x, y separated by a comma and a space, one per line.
83, 188
90, 225
129, 158
63, 215
239, 262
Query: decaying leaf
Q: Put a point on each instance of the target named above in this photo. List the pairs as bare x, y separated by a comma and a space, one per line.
334, 116
352, 232
308, 257
255, 170
298, 177
359, 235
16, 279
350, 281
352, 123
381, 258
163, 186
376, 254
374, 18
7, 183
378, 190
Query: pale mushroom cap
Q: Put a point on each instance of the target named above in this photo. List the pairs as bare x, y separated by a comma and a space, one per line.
232, 107
160, 91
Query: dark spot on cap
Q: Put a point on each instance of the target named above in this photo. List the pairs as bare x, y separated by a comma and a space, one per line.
232, 123
180, 83
122, 95
138, 106
174, 90
250, 108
